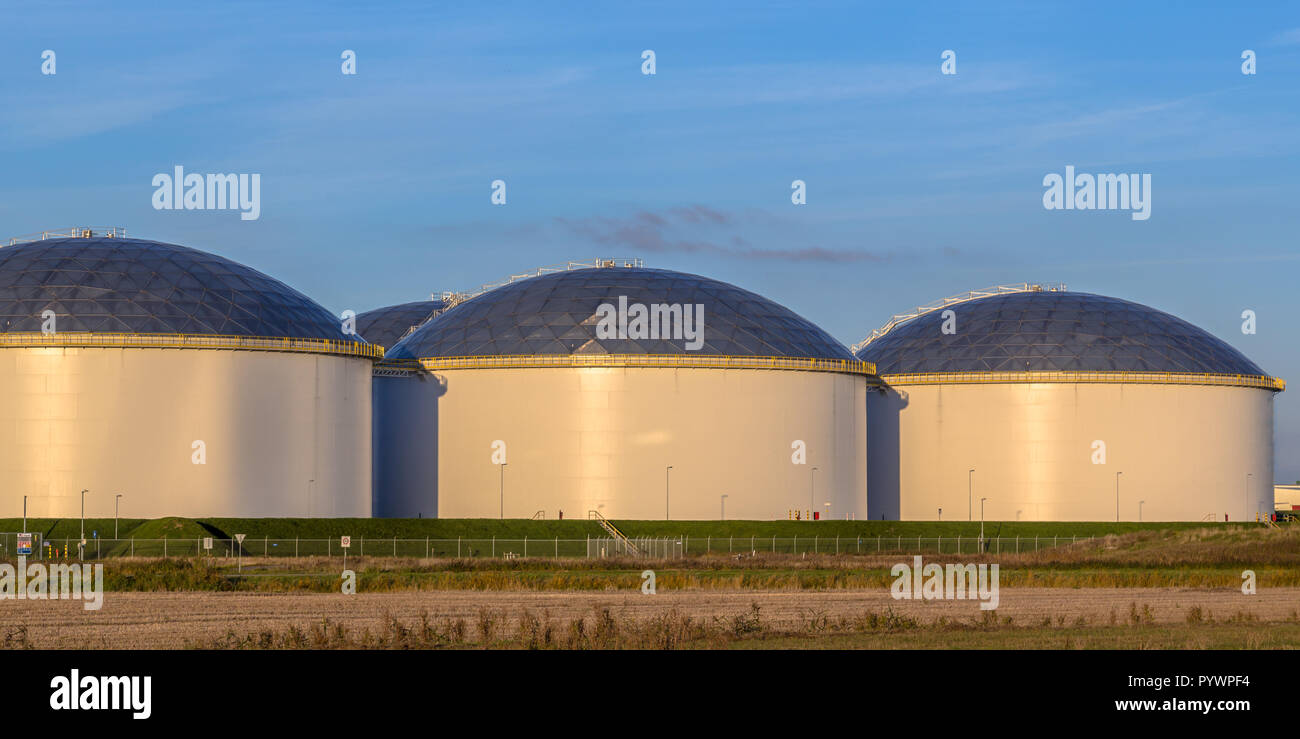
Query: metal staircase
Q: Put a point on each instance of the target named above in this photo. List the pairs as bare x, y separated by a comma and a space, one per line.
613, 531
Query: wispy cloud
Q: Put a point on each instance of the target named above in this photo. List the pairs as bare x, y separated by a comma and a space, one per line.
698, 229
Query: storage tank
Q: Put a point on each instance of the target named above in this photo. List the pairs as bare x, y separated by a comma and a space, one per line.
1064, 406
388, 325
634, 393
187, 383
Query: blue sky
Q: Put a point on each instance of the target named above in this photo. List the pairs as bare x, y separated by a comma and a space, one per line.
375, 187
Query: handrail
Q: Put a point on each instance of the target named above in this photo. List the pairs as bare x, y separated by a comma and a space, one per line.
94, 340
454, 298
685, 361
1265, 382
77, 232
613, 531
988, 292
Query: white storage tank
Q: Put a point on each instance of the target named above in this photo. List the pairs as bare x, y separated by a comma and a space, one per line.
187, 383
635, 393
1063, 406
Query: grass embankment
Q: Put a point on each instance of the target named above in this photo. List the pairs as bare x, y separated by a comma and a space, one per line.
1200, 558
606, 629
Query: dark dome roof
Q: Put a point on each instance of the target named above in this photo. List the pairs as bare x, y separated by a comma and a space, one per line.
386, 326
1054, 331
556, 315
131, 286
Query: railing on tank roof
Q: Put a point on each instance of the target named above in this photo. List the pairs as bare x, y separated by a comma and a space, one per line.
83, 339
453, 298
671, 361
895, 321
1051, 376
79, 232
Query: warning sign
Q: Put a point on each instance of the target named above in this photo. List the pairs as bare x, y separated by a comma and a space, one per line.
24, 544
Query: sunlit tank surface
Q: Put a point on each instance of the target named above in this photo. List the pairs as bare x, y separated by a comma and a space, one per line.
186, 383
764, 417
1048, 405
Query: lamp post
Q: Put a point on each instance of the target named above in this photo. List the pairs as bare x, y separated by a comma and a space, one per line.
666, 492
503, 490
24, 514
1140, 502
940, 513
982, 522
82, 544
812, 486
724, 507
116, 498
1117, 474
970, 495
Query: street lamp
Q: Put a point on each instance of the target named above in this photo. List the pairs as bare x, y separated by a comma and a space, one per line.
666, 490
940, 513
812, 485
24, 514
81, 545
970, 495
503, 490
1140, 502
1117, 474
982, 522
724, 507
116, 498
827, 515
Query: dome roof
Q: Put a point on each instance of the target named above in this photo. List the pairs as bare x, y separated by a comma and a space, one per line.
556, 314
106, 285
1053, 331
386, 326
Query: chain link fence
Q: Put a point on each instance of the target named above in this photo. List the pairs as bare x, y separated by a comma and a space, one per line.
555, 548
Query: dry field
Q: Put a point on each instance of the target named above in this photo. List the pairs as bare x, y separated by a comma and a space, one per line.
171, 620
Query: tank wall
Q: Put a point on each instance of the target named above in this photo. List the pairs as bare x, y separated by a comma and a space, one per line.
600, 439
1187, 452
284, 434
405, 452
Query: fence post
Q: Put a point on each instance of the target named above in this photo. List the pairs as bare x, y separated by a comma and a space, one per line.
525, 546
295, 547
557, 547
363, 547
426, 547
164, 546
494, 546
133, 546
458, 547
939, 544
773, 544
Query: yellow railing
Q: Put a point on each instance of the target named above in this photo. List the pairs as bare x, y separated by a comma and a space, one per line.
1143, 378
189, 341
670, 361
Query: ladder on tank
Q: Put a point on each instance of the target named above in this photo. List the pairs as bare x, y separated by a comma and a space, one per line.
613, 531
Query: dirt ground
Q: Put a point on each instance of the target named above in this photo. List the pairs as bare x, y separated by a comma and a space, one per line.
176, 620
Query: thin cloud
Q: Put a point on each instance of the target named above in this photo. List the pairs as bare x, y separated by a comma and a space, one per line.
678, 230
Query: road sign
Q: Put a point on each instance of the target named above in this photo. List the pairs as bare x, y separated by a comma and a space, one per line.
239, 538
207, 542
24, 543
345, 542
